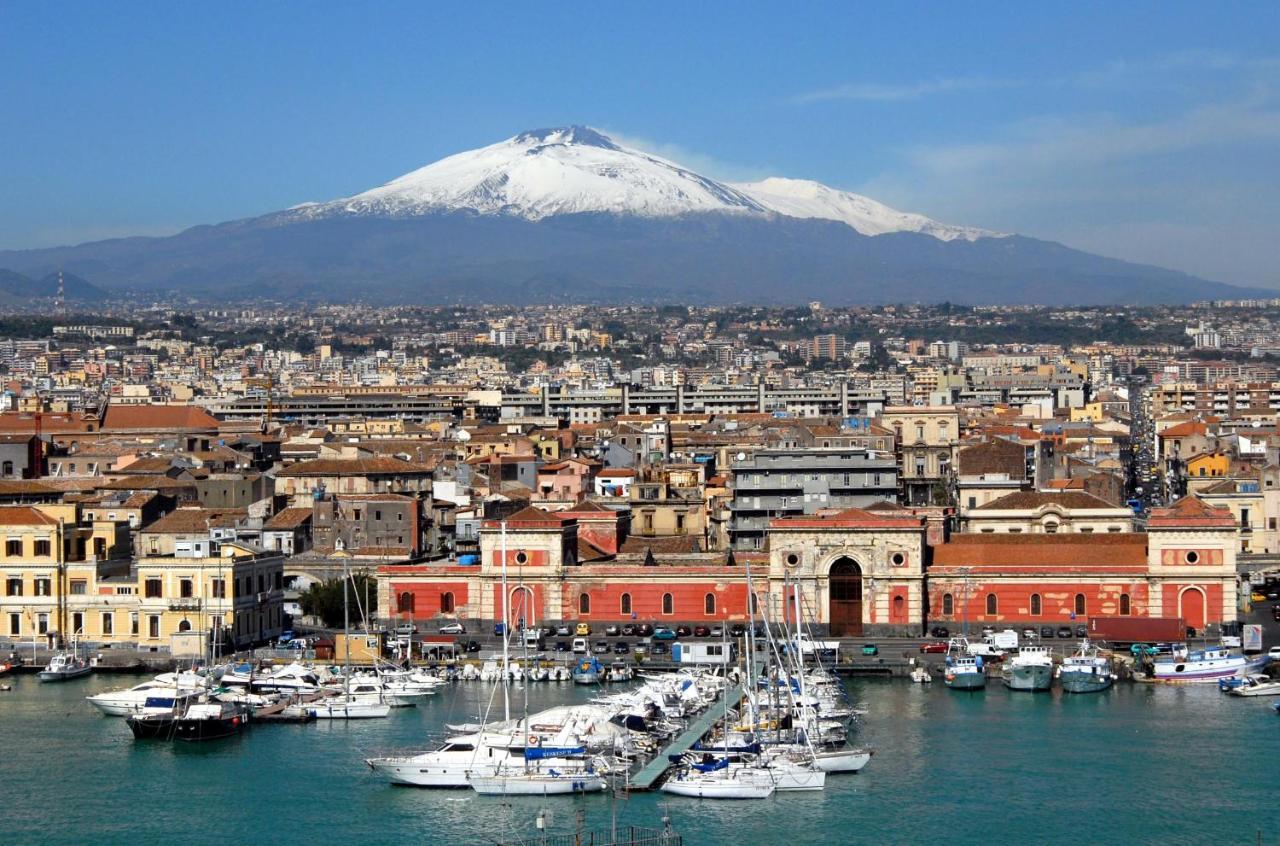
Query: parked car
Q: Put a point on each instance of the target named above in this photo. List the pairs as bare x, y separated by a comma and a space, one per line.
1258, 596
580, 646
940, 631
937, 647
870, 649
611, 631
1082, 631
641, 649
1029, 632
1274, 653
659, 647
987, 631
621, 648
548, 631
628, 630
644, 630
664, 633
563, 631
582, 629
1064, 631
499, 629
683, 631
406, 629
701, 631
717, 631
737, 630
561, 646
1231, 641
452, 628
473, 646
601, 647
1046, 631
758, 631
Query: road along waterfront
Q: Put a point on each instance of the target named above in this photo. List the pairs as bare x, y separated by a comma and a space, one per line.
1137, 764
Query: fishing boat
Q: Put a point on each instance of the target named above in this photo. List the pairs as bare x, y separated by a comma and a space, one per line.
1205, 666
921, 675
1256, 684
1087, 671
587, 671
1030, 669
846, 760
963, 671
189, 721
65, 666
5, 667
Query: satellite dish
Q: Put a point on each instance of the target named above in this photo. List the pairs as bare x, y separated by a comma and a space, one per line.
463, 435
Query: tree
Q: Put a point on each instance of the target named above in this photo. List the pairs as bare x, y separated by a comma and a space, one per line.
324, 600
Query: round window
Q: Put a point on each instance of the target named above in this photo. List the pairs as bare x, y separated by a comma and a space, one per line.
792, 559
898, 559
1192, 557
522, 557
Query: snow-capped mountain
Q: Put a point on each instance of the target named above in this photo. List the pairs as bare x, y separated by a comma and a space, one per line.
579, 170
570, 215
807, 199
545, 172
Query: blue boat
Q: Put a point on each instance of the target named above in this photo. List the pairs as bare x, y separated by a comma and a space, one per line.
588, 671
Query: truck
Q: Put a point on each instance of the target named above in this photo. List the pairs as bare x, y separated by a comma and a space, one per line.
704, 652
1006, 640
808, 646
1128, 630
986, 649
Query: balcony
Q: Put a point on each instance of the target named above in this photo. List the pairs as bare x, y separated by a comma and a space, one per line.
188, 603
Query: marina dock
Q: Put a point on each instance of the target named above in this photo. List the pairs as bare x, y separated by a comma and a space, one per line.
649, 774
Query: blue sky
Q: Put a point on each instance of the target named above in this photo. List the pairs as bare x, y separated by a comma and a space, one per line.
1144, 131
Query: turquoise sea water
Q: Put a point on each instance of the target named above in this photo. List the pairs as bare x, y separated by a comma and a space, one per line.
1139, 764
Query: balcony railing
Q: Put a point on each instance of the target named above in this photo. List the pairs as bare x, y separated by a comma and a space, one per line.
187, 603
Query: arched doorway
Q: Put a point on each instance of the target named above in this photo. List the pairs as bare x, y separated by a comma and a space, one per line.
1192, 607
522, 610
845, 584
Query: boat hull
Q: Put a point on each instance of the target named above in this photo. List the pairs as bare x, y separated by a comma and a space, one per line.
965, 681
418, 773
1029, 677
537, 785
697, 788
63, 675
349, 711
586, 678
842, 760
1080, 682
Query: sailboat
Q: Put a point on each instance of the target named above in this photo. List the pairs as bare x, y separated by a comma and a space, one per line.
533, 774
349, 705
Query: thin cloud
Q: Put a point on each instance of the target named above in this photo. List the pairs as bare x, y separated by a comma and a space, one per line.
890, 92
697, 162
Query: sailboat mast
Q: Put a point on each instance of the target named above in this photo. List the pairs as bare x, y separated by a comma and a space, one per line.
346, 633
506, 627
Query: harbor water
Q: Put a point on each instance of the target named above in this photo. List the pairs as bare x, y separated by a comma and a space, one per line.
1137, 764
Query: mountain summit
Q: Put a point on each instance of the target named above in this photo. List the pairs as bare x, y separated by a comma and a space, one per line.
580, 170
569, 214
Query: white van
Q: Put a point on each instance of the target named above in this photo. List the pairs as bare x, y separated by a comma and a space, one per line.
533, 638
580, 646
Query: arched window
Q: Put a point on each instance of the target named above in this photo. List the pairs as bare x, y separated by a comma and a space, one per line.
406, 602
1035, 605
668, 604
709, 604
948, 605
446, 603
624, 604
184, 626
1124, 605
1079, 604
584, 603
993, 605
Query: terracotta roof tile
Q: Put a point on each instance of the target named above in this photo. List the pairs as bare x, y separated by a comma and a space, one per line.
24, 515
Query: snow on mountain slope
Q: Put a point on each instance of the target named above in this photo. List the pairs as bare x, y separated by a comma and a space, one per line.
576, 170
547, 172
807, 199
